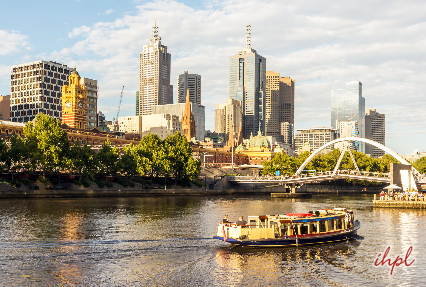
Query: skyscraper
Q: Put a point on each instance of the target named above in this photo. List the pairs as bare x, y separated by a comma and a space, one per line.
247, 74
279, 107
154, 74
36, 88
191, 82
349, 105
375, 130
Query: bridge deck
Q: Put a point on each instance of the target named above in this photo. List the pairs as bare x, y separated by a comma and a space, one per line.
307, 179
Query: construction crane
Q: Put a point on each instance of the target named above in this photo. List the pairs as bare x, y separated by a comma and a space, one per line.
119, 105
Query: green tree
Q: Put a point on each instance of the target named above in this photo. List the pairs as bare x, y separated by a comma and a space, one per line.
151, 157
178, 159
301, 159
281, 162
81, 160
128, 164
420, 165
47, 142
4, 158
385, 162
193, 168
107, 159
19, 155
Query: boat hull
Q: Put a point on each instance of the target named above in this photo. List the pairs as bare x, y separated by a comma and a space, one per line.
299, 240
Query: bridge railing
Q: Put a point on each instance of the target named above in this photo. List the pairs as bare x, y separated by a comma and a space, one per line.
353, 173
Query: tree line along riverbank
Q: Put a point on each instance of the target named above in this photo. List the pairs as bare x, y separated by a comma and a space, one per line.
45, 154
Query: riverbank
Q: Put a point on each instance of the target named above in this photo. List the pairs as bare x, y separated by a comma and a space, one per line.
7, 191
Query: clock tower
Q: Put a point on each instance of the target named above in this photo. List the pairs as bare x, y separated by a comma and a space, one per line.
74, 103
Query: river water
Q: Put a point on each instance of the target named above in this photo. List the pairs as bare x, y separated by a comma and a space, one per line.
167, 241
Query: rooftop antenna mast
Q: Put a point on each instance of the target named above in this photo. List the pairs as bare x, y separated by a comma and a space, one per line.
155, 36
248, 36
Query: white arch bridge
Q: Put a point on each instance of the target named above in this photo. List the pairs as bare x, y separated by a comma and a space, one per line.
335, 174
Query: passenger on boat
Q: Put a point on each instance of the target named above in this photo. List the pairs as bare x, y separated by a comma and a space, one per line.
294, 227
241, 221
225, 219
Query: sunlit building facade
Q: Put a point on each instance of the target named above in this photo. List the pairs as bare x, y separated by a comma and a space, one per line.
227, 115
314, 138
92, 101
279, 107
36, 87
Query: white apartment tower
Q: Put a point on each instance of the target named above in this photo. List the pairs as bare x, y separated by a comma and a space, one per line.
154, 74
92, 101
36, 87
191, 82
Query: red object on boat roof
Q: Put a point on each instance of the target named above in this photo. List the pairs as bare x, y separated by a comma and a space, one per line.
299, 214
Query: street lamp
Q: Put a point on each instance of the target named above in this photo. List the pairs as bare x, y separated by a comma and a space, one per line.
232, 149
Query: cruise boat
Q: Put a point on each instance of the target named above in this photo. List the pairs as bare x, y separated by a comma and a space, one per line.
291, 229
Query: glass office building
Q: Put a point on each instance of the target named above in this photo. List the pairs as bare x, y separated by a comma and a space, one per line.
349, 105
247, 74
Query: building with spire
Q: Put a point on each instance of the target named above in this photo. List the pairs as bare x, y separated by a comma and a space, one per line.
74, 102
154, 74
247, 75
187, 120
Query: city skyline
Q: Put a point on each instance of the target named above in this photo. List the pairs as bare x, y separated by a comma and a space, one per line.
320, 49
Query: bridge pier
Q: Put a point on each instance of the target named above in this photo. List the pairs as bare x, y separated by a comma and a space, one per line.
293, 188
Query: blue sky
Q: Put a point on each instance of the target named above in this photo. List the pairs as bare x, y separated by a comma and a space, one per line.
320, 44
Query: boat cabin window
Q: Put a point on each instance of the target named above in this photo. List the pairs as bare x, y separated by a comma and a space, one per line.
339, 223
322, 226
304, 229
284, 230
252, 222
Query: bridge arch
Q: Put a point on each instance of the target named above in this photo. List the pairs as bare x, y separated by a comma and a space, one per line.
376, 144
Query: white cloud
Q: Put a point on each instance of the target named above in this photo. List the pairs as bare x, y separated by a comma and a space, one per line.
320, 44
12, 42
109, 11
82, 30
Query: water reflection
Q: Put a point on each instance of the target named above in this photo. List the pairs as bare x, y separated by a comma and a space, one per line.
167, 241
242, 264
